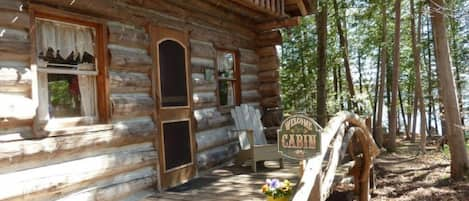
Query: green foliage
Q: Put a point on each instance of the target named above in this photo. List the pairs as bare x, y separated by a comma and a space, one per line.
59, 93
363, 27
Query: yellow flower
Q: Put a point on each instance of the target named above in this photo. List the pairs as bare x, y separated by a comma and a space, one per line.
265, 188
286, 182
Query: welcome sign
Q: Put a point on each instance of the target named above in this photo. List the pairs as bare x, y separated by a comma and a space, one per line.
299, 137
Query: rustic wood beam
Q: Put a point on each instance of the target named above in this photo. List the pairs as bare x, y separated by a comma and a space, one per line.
258, 7
301, 7
285, 23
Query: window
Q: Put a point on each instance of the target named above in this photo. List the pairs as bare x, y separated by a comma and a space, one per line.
67, 70
228, 78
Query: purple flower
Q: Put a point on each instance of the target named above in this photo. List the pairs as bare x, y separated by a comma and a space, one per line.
273, 183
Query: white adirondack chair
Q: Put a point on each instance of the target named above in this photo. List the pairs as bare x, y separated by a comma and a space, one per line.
252, 140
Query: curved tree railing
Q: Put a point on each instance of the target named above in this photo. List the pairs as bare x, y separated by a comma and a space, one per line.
343, 133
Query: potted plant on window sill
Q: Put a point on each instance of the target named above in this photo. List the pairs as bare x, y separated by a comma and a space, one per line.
276, 190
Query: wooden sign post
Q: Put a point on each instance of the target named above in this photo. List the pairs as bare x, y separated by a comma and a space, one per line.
299, 137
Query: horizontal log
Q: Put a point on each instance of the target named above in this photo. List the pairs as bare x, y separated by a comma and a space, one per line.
10, 34
64, 174
129, 82
111, 191
205, 97
16, 133
248, 56
250, 86
206, 87
127, 35
269, 39
123, 190
15, 47
9, 123
248, 68
218, 155
269, 89
267, 51
269, 102
21, 154
253, 94
14, 56
87, 190
129, 59
198, 61
16, 107
225, 40
269, 76
268, 64
12, 5
211, 119
132, 104
215, 137
202, 49
245, 79
14, 19
198, 68
15, 76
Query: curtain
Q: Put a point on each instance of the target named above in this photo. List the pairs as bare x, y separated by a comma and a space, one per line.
63, 39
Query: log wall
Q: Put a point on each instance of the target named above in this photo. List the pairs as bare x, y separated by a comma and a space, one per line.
97, 162
118, 160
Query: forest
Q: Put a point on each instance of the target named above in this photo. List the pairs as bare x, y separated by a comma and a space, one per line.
405, 65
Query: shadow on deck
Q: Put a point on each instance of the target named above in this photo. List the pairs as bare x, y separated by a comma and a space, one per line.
230, 183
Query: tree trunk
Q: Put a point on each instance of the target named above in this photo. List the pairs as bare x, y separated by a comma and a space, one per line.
395, 77
458, 152
407, 133
406, 126
414, 117
431, 105
418, 86
344, 48
455, 51
375, 101
378, 134
360, 72
321, 19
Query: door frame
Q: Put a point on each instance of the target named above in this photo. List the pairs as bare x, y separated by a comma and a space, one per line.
185, 172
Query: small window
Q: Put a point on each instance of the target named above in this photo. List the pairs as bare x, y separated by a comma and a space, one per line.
228, 85
67, 70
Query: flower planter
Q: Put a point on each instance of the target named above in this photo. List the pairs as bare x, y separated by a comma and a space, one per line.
270, 198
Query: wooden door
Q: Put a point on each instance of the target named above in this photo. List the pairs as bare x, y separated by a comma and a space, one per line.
175, 139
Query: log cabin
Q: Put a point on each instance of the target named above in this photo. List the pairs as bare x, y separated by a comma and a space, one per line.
118, 99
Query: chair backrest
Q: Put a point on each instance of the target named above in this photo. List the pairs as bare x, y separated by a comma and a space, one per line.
247, 117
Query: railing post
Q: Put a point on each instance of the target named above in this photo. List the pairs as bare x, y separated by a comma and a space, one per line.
316, 192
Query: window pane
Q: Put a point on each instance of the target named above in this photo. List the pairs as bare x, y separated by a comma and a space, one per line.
64, 96
172, 74
225, 65
226, 92
177, 145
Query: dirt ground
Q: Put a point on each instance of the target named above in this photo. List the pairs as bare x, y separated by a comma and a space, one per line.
408, 176
404, 175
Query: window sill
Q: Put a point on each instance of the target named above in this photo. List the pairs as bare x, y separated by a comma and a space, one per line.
44, 132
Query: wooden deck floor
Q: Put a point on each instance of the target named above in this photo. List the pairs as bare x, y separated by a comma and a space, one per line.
230, 183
